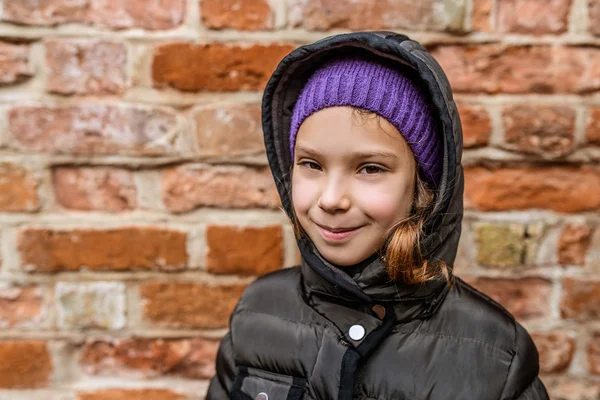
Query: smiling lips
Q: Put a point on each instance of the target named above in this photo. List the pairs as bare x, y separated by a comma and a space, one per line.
337, 234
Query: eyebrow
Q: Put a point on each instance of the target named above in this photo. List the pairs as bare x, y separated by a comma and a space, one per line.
354, 155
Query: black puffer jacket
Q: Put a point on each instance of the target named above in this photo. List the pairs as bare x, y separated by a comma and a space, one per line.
290, 333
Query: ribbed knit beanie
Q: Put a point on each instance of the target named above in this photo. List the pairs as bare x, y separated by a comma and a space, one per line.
378, 88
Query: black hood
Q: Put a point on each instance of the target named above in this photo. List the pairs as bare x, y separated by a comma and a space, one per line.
442, 229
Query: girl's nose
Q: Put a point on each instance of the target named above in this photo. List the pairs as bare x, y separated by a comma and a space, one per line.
334, 197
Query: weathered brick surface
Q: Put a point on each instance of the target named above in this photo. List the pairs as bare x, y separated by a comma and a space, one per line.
186, 304
507, 245
101, 188
573, 244
121, 14
476, 125
19, 188
593, 126
378, 14
556, 350
228, 130
533, 16
100, 305
25, 364
525, 298
119, 249
546, 131
188, 187
149, 358
131, 394
128, 126
86, 67
245, 15
245, 251
580, 299
216, 67
21, 306
562, 189
93, 129
15, 66
498, 68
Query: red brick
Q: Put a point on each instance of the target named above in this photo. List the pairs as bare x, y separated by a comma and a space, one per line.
123, 14
593, 126
498, 68
14, 67
119, 249
131, 394
562, 189
573, 244
556, 351
188, 187
525, 298
594, 353
21, 306
594, 17
86, 67
542, 130
216, 67
229, 130
186, 304
243, 15
580, 299
476, 125
25, 364
481, 15
533, 16
19, 189
246, 251
149, 358
101, 188
94, 129
323, 15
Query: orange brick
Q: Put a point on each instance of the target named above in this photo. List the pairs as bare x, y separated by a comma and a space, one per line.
25, 365
246, 251
216, 67
131, 394
243, 15
184, 304
15, 63
133, 248
562, 189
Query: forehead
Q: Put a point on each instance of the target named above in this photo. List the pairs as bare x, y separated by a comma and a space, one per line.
338, 130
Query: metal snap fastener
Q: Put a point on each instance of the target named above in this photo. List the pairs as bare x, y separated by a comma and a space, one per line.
262, 396
356, 332
379, 310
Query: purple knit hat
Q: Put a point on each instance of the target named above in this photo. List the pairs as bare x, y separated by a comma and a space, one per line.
383, 90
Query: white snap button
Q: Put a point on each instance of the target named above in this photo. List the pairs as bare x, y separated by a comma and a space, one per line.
262, 396
356, 332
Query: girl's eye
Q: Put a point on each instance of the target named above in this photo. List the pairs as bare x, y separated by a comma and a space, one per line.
371, 169
310, 165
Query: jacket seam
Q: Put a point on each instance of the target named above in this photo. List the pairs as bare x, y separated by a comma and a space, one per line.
281, 318
512, 361
455, 337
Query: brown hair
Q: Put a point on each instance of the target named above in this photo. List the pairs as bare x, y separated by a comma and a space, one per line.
403, 258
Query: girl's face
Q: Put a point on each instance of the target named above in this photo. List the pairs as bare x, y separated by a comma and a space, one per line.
351, 182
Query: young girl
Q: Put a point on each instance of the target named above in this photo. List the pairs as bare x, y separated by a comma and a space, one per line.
364, 141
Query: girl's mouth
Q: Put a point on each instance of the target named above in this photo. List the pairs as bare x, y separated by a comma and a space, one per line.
337, 234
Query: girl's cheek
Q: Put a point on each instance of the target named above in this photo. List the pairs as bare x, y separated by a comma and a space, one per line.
302, 193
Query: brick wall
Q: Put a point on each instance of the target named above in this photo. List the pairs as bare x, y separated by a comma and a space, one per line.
135, 202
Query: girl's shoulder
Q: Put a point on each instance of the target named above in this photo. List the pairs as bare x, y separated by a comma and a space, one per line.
470, 314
